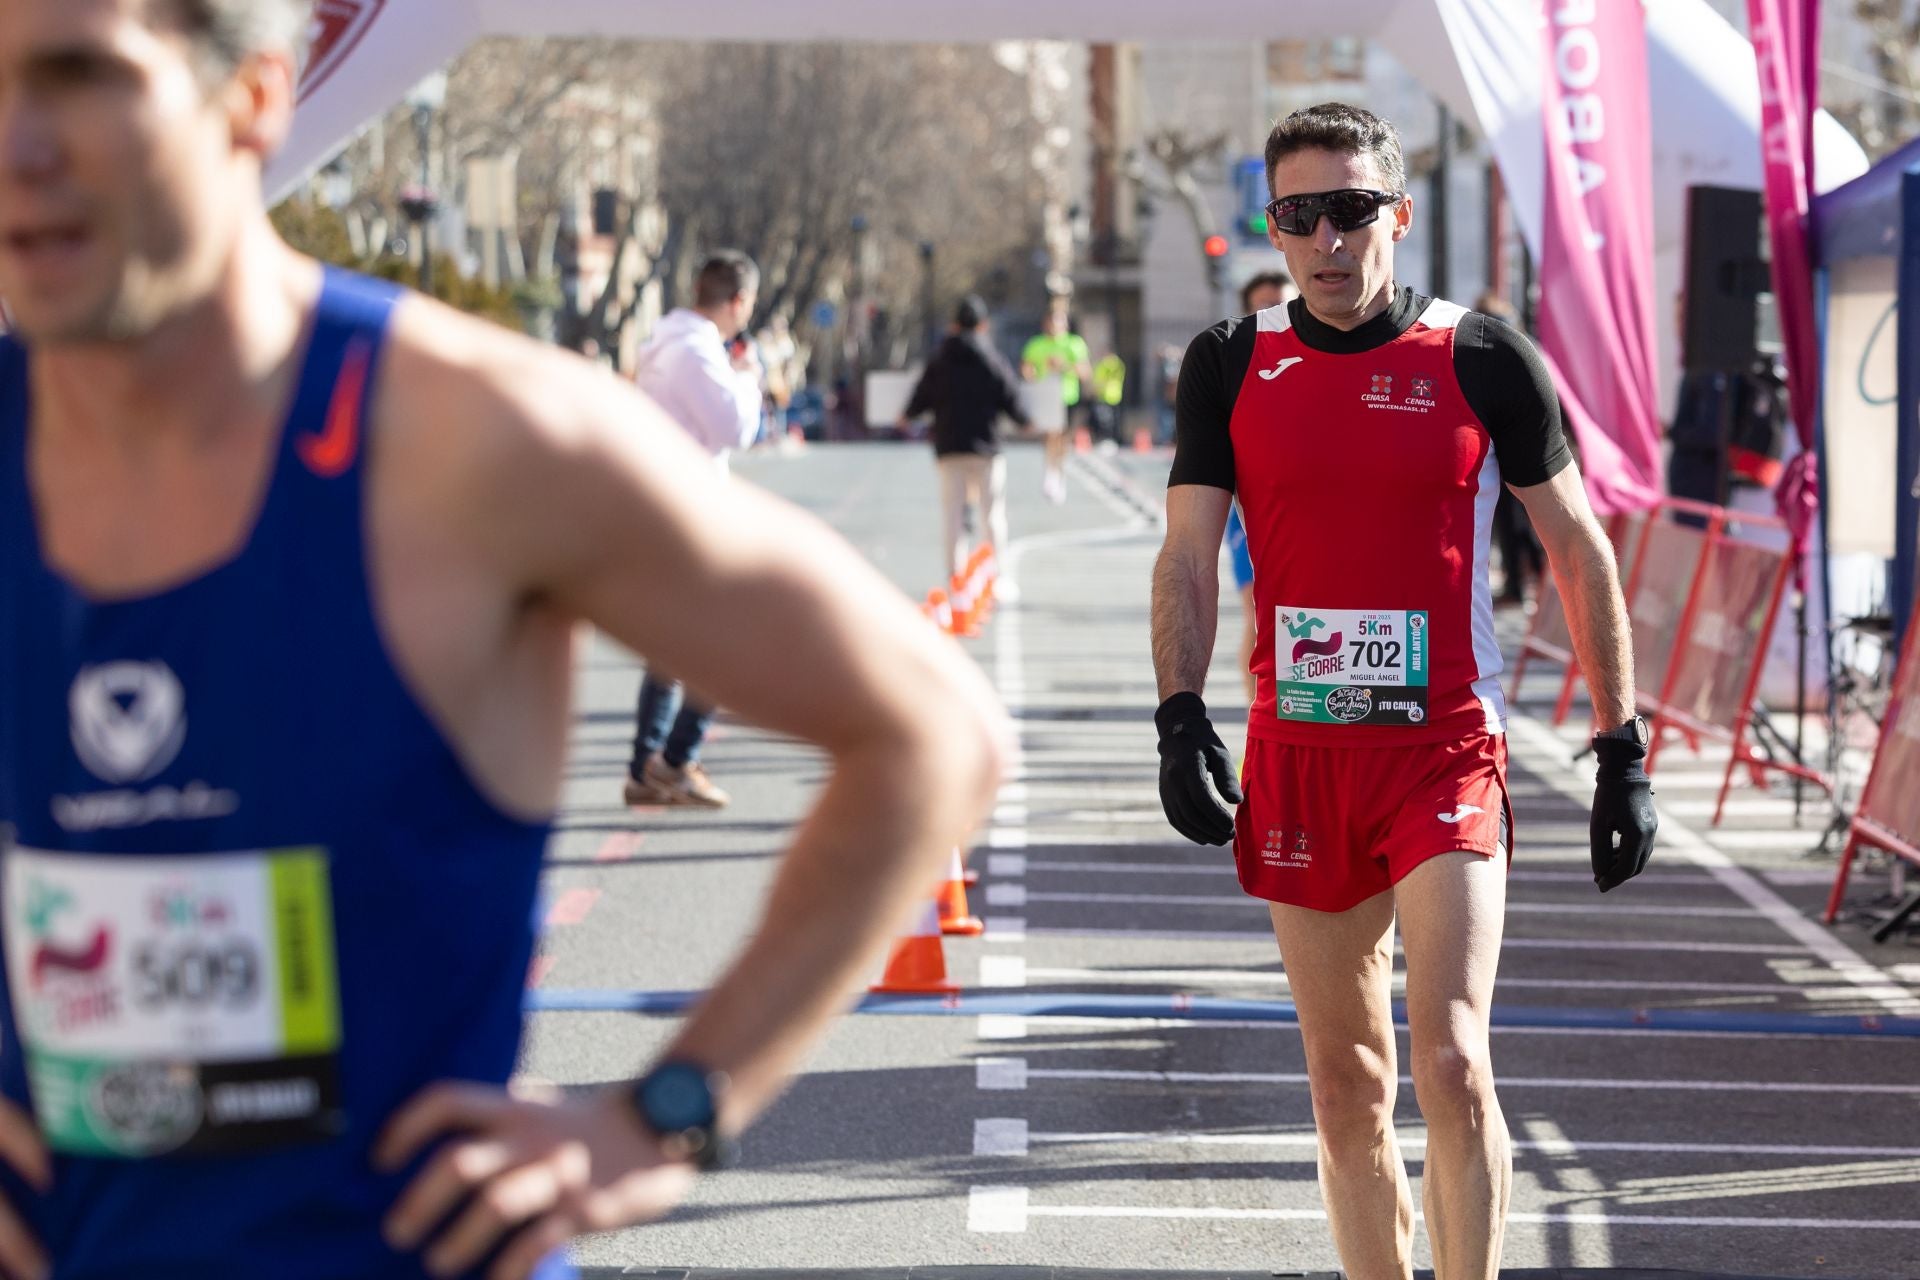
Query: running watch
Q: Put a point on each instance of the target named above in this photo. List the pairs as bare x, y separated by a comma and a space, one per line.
679, 1102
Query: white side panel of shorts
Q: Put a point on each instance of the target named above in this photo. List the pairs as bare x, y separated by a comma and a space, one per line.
1486, 645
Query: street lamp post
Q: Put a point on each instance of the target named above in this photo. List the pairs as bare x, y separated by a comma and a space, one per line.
419, 203
928, 324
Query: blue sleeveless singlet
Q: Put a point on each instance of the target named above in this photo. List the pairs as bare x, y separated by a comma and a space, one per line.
252, 901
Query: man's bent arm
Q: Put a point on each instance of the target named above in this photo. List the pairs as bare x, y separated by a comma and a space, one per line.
597, 505
1186, 587
1589, 583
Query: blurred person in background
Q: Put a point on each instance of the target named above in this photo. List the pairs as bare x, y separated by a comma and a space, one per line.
1058, 352
701, 368
967, 388
1522, 559
1268, 289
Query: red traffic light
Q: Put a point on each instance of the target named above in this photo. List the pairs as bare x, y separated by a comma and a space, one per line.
1215, 246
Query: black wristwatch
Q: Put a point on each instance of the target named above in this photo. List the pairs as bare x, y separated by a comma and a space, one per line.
680, 1102
1634, 730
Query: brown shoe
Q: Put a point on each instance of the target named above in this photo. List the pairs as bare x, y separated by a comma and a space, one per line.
687, 785
639, 795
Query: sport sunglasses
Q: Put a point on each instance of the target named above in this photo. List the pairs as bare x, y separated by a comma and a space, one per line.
1349, 208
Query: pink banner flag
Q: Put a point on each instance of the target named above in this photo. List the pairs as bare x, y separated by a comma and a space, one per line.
1786, 47
1596, 270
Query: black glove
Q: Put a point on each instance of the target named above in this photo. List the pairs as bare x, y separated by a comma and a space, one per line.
1623, 819
1190, 752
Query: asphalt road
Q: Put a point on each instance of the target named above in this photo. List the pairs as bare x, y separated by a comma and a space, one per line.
1671, 1106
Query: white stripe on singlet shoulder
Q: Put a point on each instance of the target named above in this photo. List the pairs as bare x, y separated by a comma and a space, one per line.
1441, 314
1274, 319
1486, 645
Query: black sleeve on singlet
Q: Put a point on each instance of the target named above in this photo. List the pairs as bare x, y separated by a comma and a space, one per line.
1509, 389
1210, 376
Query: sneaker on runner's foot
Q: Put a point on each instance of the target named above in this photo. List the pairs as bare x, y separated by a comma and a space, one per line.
1054, 486
688, 785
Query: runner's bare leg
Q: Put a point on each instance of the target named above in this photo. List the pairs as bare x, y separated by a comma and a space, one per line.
1451, 913
1340, 973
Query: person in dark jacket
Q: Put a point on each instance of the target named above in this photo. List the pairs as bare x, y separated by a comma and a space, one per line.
967, 386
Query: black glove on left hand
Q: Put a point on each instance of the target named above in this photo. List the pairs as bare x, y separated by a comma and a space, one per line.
1191, 753
1624, 822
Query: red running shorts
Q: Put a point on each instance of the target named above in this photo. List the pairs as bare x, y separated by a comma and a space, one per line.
1330, 827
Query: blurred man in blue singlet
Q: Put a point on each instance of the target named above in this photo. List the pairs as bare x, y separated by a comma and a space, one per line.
290, 568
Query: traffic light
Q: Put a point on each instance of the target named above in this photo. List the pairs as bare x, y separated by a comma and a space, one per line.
1215, 249
1257, 225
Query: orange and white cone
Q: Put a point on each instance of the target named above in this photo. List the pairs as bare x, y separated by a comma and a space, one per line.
955, 919
918, 963
965, 622
939, 609
979, 584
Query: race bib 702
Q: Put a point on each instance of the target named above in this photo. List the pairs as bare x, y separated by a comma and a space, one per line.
1350, 666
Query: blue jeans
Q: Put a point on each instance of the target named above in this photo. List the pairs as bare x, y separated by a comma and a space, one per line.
670, 723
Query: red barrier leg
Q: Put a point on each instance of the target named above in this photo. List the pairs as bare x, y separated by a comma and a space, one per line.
1840, 878
1565, 702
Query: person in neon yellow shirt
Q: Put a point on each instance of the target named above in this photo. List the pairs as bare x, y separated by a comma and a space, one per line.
1057, 350
1109, 389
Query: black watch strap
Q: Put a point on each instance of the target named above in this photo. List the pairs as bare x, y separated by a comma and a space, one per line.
1634, 730
680, 1102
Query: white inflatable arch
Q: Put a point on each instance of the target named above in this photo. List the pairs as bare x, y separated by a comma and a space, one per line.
1483, 58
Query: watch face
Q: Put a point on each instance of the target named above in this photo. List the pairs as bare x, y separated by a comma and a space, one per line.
675, 1097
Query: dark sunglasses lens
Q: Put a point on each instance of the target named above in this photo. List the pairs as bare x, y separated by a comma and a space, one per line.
1349, 211
1296, 217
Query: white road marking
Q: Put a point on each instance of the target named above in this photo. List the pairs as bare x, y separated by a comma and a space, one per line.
999, 1137
1010, 865
1591, 945
1006, 895
1242, 900
1505, 1082
997, 1210
1417, 1139
1742, 883
1002, 1026
1276, 979
1003, 971
1000, 1074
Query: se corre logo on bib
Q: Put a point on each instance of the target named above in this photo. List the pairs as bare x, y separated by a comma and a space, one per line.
128, 720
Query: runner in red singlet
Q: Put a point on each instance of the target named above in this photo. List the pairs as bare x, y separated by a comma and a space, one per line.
1364, 431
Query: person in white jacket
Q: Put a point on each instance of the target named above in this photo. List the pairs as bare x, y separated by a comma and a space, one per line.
700, 367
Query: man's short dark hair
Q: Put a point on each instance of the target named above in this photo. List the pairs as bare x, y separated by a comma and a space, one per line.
1265, 280
971, 313
1338, 127
723, 277
224, 32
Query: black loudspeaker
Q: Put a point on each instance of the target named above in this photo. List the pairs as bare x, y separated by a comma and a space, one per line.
1729, 320
606, 211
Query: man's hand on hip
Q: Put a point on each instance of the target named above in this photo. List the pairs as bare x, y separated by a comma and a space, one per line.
1192, 755
1624, 822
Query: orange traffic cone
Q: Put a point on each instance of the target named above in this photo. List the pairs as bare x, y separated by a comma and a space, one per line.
939, 609
1082, 440
1142, 440
918, 962
955, 919
966, 622
980, 584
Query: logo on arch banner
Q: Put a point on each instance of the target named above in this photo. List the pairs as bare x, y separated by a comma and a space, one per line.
338, 26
